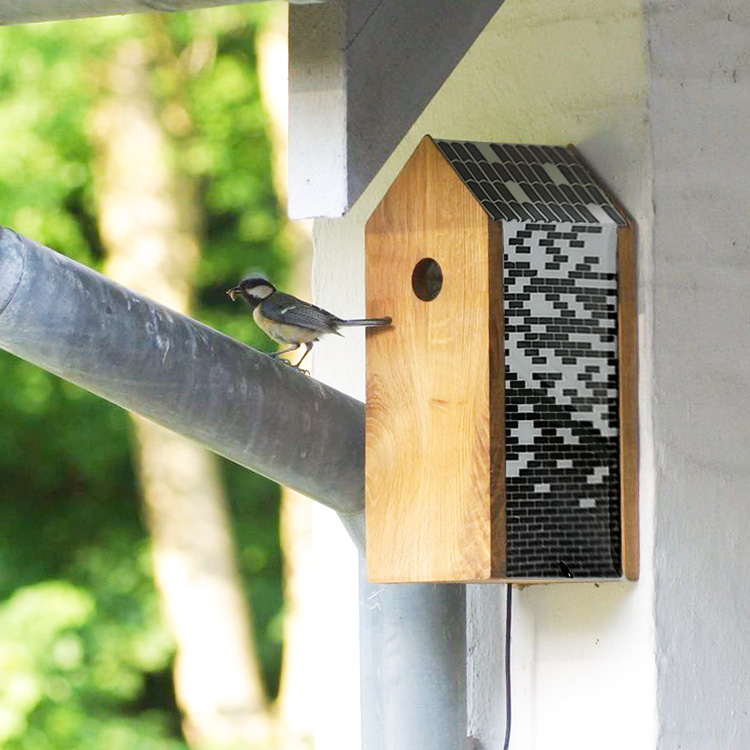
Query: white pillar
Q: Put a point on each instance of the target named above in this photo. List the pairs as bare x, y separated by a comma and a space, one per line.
699, 112
542, 71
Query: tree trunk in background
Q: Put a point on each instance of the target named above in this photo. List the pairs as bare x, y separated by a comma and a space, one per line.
147, 220
295, 701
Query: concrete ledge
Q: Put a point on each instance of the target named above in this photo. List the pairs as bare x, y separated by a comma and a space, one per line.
360, 74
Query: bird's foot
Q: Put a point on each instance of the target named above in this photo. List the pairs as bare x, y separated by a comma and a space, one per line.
295, 367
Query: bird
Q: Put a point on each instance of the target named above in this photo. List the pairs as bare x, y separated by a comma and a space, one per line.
289, 320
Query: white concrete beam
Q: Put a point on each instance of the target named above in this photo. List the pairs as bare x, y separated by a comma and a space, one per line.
361, 72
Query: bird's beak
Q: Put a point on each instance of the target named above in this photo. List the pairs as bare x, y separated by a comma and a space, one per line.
233, 293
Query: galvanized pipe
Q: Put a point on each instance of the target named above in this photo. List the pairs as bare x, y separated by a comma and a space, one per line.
413, 665
33, 11
263, 415
236, 401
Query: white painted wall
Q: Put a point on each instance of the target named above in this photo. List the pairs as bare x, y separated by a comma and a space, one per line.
544, 71
700, 115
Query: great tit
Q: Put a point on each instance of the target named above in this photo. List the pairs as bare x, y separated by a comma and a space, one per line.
289, 320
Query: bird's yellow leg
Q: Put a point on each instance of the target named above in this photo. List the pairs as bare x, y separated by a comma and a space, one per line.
308, 347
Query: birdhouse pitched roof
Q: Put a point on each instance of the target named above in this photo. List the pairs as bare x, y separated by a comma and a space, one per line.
521, 182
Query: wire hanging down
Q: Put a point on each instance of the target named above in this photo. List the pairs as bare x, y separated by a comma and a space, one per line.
508, 618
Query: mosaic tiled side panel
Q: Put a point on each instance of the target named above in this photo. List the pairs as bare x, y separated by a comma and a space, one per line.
562, 470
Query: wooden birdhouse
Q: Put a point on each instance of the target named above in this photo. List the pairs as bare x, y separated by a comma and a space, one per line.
501, 438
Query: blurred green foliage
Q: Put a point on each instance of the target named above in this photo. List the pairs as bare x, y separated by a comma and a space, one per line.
84, 654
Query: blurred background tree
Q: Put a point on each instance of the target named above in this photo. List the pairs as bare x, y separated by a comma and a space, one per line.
85, 652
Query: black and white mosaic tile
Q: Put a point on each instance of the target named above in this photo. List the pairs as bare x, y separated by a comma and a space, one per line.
520, 182
561, 405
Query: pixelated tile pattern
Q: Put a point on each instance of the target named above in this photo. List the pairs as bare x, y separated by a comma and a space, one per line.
561, 409
519, 182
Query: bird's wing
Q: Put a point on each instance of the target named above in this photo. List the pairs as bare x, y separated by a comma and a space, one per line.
283, 308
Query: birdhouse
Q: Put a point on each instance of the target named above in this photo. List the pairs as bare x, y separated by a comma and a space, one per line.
501, 428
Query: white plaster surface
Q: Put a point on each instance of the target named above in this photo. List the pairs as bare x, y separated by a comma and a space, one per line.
700, 110
317, 113
543, 71
335, 660
340, 362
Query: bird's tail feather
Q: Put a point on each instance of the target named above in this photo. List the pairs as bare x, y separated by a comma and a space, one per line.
367, 322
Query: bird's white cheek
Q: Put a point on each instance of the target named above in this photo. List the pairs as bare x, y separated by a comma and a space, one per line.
261, 292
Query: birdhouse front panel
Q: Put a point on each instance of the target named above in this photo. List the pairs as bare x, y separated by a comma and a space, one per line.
559, 436
430, 416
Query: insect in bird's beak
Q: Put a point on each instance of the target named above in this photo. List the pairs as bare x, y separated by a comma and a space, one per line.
233, 293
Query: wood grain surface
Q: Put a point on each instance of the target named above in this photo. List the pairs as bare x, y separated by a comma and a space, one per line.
628, 383
428, 443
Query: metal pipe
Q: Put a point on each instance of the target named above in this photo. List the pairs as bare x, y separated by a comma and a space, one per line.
32, 11
413, 665
234, 400
263, 415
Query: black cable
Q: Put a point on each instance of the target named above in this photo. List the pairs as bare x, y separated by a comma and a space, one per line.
508, 609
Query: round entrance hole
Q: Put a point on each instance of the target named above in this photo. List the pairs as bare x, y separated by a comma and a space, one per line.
427, 279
